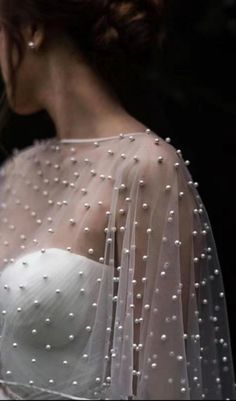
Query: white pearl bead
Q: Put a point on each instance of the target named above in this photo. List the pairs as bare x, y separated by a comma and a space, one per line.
178, 243
126, 251
123, 187
88, 328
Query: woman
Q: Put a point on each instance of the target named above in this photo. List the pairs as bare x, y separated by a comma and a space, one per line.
110, 282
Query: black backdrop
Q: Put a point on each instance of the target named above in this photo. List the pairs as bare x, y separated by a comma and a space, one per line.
192, 100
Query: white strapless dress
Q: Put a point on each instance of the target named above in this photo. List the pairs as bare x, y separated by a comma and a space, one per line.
44, 339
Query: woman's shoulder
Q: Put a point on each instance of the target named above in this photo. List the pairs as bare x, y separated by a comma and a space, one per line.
15, 161
154, 150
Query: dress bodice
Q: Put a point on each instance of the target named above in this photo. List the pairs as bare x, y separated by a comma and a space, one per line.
48, 302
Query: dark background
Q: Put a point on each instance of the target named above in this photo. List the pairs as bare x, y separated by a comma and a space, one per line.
192, 100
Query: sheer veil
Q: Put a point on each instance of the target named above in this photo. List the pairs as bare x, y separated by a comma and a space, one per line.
110, 286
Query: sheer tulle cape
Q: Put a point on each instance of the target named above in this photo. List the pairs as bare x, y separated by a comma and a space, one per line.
153, 323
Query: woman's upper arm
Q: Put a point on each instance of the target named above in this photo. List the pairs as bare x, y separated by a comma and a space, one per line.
163, 240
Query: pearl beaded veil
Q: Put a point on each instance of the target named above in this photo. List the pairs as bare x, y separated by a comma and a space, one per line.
110, 284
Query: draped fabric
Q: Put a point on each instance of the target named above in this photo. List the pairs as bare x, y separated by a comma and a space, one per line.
110, 285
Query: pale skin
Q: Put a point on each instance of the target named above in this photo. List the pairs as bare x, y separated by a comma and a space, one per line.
55, 77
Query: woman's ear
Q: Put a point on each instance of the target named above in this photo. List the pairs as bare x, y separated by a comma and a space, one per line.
34, 33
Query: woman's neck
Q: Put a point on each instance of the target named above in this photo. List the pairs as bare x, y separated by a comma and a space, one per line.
79, 102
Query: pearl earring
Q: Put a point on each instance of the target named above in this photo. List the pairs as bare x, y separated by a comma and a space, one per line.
31, 45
